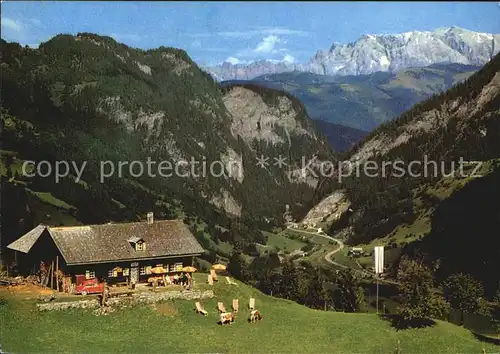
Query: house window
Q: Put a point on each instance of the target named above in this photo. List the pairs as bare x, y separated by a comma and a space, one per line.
126, 272
89, 274
113, 273
142, 271
140, 246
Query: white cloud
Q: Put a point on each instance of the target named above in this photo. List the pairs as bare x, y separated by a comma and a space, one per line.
282, 31
235, 34
288, 58
267, 45
272, 42
201, 35
35, 22
232, 60
11, 24
235, 61
25, 31
266, 49
257, 31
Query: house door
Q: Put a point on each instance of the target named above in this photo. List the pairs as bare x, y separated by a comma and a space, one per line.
134, 273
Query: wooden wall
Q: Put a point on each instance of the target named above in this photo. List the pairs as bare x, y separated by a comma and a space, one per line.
102, 271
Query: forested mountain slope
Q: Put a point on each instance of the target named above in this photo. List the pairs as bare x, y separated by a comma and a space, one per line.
366, 101
461, 124
346, 106
88, 99
340, 137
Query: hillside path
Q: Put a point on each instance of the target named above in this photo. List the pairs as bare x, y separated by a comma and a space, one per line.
328, 256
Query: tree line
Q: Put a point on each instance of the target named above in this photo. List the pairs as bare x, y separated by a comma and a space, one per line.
421, 299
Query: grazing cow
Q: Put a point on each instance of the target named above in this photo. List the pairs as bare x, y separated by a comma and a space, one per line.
255, 316
227, 317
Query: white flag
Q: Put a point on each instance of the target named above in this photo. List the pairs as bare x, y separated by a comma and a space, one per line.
379, 259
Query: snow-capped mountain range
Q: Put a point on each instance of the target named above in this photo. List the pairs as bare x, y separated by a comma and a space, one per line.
372, 53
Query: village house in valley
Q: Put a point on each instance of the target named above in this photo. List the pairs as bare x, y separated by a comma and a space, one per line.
123, 253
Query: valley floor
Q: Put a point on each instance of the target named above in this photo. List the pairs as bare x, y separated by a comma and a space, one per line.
174, 326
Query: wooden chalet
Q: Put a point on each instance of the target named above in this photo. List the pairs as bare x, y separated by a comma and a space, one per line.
115, 253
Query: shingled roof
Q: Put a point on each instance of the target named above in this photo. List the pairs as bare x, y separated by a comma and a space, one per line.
110, 242
24, 243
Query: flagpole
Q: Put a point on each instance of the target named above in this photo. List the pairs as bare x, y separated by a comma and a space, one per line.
378, 252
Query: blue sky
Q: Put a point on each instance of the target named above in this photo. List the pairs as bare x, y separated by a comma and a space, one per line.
212, 32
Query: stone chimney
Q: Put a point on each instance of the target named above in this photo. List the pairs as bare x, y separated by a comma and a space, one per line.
150, 218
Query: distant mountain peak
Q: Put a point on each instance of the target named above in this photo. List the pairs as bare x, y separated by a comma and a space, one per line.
380, 52
334, 45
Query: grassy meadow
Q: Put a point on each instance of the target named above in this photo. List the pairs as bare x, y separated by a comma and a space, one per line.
174, 326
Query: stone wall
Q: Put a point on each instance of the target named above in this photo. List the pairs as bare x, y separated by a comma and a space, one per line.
152, 297
84, 304
136, 298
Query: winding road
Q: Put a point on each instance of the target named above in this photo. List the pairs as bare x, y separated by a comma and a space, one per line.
329, 255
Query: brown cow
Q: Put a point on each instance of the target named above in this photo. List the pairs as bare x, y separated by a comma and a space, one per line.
255, 316
227, 317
